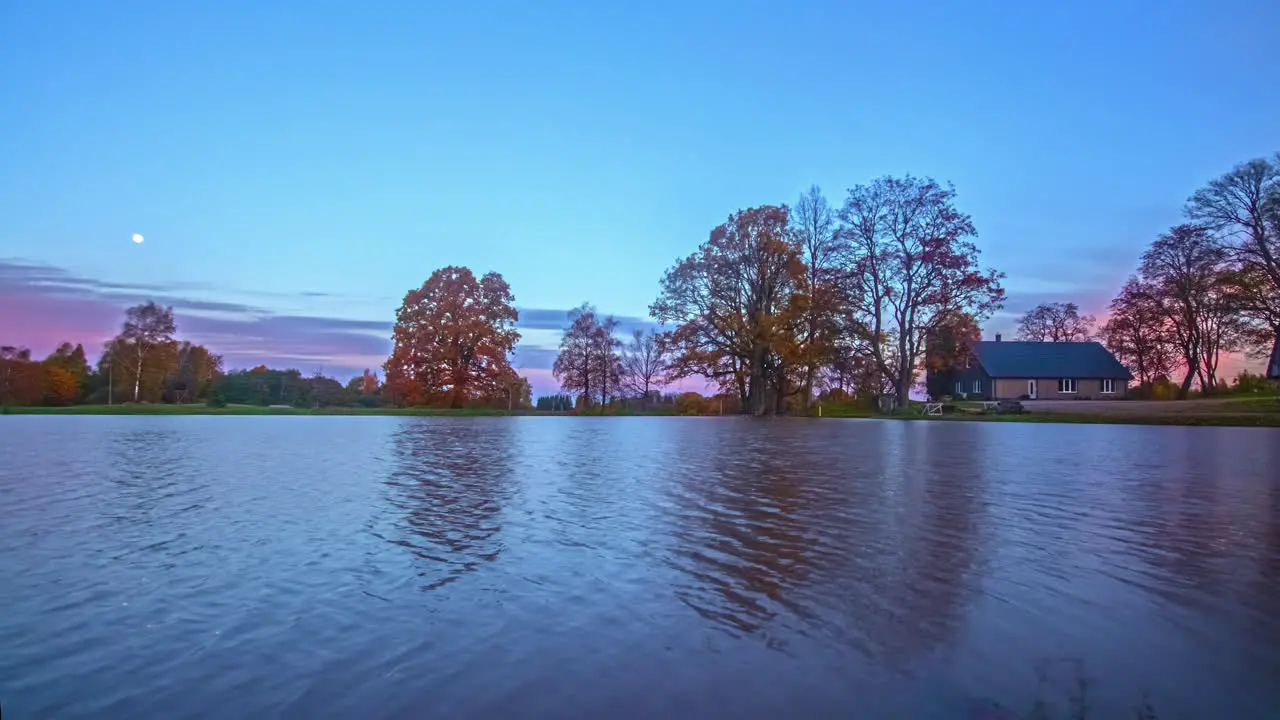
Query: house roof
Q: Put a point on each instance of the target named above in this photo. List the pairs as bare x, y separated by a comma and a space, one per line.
1049, 360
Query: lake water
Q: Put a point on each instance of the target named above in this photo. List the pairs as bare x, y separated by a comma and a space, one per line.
643, 567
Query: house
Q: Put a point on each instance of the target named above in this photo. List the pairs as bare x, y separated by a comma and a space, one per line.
1034, 371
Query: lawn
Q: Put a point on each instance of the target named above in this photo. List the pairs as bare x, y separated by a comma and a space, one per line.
162, 409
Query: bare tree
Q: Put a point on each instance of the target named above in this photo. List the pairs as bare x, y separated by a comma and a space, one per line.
1138, 333
643, 364
1243, 208
1186, 275
1056, 322
814, 225
911, 265
146, 328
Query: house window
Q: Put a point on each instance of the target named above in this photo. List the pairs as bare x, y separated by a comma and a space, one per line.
1108, 386
959, 387
977, 386
1067, 385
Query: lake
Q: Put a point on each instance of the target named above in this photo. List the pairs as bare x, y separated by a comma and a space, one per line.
634, 567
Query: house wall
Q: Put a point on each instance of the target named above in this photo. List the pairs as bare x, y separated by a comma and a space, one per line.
966, 378
1047, 389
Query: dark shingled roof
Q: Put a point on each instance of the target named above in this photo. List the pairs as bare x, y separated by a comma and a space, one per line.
1049, 360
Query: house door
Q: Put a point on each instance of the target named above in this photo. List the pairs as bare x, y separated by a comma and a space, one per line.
1031, 389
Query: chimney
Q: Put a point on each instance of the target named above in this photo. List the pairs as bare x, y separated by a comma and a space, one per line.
997, 337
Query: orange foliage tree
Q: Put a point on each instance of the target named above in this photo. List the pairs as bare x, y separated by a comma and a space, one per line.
58, 385
736, 304
19, 377
452, 340
368, 382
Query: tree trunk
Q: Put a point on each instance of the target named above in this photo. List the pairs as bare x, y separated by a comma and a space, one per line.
903, 385
137, 378
756, 383
807, 390
1185, 388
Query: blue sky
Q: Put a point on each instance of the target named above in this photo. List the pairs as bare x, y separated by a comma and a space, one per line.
317, 160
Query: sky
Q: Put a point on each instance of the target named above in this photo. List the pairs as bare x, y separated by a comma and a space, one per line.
296, 168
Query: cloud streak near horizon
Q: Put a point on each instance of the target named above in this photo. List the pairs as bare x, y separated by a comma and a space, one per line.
45, 305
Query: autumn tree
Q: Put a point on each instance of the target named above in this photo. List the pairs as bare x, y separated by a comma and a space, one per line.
911, 265
70, 358
144, 344
573, 365
589, 363
818, 238
1242, 208
643, 364
1056, 322
452, 340
521, 397
19, 377
948, 347
1139, 334
733, 305
608, 361
58, 385
368, 382
193, 375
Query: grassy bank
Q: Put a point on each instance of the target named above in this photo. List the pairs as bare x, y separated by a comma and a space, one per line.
1225, 412
250, 410
1232, 412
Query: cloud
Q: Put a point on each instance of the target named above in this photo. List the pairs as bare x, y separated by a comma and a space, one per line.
42, 306
46, 305
548, 319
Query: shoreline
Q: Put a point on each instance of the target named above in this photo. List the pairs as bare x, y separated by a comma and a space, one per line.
1248, 414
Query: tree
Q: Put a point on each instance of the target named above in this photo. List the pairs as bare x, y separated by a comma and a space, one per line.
453, 337
521, 397
71, 358
818, 238
1138, 333
58, 385
368, 382
1056, 322
573, 367
588, 363
19, 377
1185, 275
948, 347
194, 373
1243, 208
608, 363
733, 303
910, 265
147, 335
643, 364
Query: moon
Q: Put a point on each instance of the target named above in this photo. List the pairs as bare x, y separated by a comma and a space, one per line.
137, 238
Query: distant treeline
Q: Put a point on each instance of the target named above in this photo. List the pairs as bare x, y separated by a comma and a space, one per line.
778, 307
145, 364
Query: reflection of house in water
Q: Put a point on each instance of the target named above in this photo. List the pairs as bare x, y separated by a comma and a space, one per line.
450, 481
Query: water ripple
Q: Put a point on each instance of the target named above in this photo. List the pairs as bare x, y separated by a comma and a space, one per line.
587, 567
